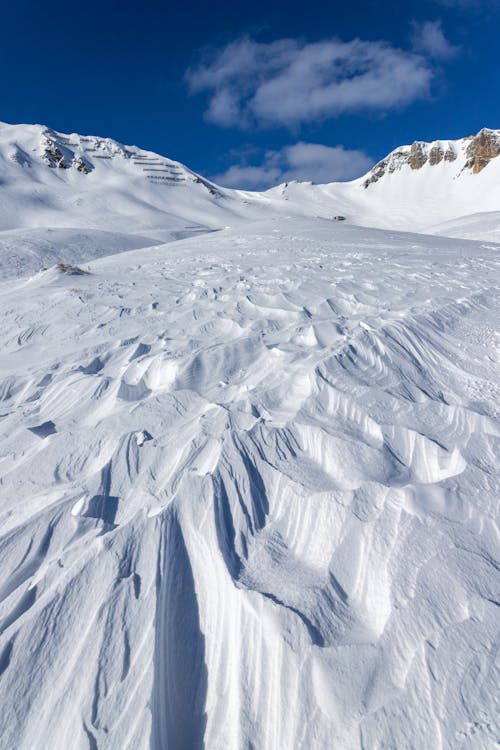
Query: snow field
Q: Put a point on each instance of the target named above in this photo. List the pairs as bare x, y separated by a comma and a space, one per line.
249, 492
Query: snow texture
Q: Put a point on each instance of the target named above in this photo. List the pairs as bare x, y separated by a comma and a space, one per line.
249, 478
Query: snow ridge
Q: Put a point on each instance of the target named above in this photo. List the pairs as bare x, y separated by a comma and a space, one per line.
252, 499
248, 477
473, 154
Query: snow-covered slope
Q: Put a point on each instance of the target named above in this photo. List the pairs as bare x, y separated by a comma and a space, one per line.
485, 226
249, 478
58, 180
25, 251
249, 495
50, 180
55, 180
414, 189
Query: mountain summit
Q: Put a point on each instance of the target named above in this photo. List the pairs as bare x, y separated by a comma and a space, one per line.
79, 187
471, 154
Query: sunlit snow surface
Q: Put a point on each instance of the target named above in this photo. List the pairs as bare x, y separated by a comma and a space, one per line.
249, 493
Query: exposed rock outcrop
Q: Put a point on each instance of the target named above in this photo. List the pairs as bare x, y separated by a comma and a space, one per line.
478, 151
414, 156
81, 165
418, 155
208, 185
52, 156
437, 154
482, 148
387, 166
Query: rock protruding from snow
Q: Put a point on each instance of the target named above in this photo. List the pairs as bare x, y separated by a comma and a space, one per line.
52, 155
418, 155
476, 152
81, 165
482, 148
414, 156
437, 154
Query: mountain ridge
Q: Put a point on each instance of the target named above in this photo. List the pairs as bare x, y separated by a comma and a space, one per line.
53, 180
480, 150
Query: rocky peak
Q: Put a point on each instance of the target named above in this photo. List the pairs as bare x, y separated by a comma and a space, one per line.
477, 150
414, 156
482, 148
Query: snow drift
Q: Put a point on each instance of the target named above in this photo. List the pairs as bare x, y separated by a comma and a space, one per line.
249, 479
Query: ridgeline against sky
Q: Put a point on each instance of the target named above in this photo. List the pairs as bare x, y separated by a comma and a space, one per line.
253, 94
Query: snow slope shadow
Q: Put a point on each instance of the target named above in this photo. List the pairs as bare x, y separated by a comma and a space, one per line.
180, 673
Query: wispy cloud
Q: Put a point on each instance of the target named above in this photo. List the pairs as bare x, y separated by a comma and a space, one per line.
300, 161
289, 82
429, 39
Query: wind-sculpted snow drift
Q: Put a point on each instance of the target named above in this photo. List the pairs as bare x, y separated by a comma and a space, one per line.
249, 494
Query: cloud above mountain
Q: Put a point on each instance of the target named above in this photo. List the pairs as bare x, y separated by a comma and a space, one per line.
428, 38
289, 82
300, 161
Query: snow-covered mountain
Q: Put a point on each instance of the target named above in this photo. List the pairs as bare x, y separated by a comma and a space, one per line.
249, 478
87, 184
78, 187
53, 179
426, 187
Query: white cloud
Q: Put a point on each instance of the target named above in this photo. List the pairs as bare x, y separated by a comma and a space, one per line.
288, 82
300, 161
246, 177
428, 38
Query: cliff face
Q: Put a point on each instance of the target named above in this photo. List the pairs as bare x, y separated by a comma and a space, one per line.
478, 151
482, 148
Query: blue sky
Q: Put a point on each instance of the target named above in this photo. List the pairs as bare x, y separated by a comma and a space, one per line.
258, 92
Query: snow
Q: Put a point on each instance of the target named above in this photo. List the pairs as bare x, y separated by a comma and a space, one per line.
409, 200
25, 251
249, 478
153, 199
485, 226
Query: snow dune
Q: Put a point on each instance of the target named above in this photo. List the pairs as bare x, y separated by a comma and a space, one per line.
249, 494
